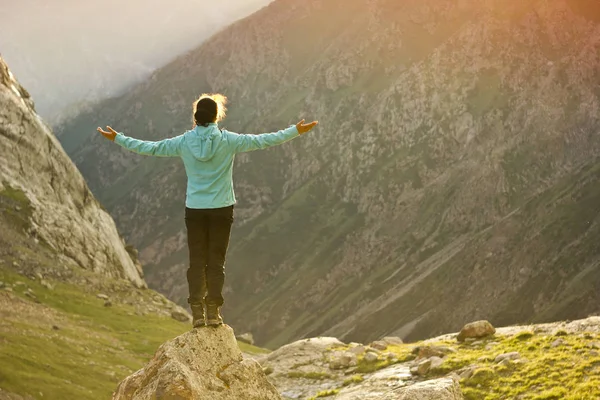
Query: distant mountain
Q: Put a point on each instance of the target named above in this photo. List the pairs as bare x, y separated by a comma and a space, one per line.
454, 175
69, 51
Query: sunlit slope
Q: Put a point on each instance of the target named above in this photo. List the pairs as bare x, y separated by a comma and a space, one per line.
410, 209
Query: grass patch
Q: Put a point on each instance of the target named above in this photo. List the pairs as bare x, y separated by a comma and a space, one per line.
353, 380
90, 351
326, 393
569, 371
524, 335
317, 376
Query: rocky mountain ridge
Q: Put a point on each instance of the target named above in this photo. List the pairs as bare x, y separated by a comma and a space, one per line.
453, 176
64, 214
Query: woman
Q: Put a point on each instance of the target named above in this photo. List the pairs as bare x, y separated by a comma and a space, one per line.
207, 153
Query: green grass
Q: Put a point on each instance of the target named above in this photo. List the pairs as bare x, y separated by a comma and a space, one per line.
569, 371
353, 380
318, 376
326, 393
94, 349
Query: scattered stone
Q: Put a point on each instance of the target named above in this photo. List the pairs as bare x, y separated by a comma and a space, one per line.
390, 355
392, 340
477, 343
357, 349
436, 362
350, 371
506, 362
557, 342
55, 327
8, 289
107, 303
490, 345
246, 338
19, 283
594, 345
201, 364
371, 357
422, 368
514, 355
379, 345
467, 372
343, 360
434, 389
180, 316
477, 329
2, 285
46, 284
39, 276
593, 353
431, 351
102, 296
29, 293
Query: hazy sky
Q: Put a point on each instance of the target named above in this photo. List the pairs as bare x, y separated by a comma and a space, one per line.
65, 51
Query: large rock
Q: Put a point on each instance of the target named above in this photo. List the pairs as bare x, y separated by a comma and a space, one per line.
477, 329
436, 389
202, 364
64, 213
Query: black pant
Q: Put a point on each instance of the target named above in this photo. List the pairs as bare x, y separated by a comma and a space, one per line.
208, 238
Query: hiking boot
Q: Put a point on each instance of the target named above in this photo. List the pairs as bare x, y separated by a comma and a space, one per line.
198, 315
213, 315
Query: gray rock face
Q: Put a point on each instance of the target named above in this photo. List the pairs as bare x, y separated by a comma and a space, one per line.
436, 389
202, 364
64, 213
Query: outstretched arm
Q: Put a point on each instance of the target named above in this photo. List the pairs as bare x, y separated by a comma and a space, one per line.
244, 143
164, 148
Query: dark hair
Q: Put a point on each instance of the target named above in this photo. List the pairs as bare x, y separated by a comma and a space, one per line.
209, 108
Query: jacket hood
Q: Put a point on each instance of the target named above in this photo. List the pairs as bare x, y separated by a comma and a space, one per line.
204, 141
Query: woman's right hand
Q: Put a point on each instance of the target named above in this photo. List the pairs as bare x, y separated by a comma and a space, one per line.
111, 134
303, 128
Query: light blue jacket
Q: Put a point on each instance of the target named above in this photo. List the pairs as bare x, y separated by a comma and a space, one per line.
207, 154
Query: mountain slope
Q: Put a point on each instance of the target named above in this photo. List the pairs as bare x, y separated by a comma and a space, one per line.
75, 314
63, 213
97, 49
452, 176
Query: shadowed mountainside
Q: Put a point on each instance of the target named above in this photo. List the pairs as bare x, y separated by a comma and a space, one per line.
453, 177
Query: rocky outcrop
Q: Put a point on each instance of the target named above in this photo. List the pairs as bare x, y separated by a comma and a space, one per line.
435, 389
202, 364
64, 213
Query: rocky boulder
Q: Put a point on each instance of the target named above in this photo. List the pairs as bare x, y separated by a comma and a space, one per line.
435, 389
202, 364
477, 329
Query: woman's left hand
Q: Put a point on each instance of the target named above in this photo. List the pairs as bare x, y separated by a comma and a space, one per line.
110, 135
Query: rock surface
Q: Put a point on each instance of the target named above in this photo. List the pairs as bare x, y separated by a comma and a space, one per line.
64, 213
202, 364
477, 329
435, 389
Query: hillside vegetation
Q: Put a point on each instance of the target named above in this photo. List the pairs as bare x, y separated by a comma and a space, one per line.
67, 333
453, 176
